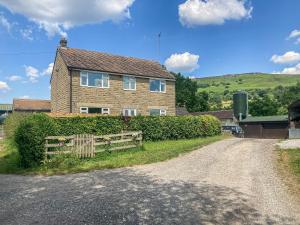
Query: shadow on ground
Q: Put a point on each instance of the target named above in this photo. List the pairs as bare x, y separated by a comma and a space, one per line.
122, 197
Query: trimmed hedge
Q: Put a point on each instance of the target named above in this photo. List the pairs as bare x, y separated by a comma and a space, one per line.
31, 132
30, 138
170, 127
98, 125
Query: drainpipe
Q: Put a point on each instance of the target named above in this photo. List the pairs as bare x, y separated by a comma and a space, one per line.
70, 74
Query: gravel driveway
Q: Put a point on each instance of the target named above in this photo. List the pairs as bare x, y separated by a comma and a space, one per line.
229, 182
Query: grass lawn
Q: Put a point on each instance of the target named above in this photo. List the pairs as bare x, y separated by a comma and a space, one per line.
150, 152
291, 159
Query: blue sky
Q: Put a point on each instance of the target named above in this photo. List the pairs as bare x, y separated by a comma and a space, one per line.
198, 38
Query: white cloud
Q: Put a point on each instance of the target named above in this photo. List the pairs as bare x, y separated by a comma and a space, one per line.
14, 78
56, 16
27, 33
32, 73
48, 71
200, 12
24, 97
5, 23
295, 34
4, 86
287, 58
290, 70
185, 62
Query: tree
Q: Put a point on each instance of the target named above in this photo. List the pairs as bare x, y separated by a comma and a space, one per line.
186, 94
263, 106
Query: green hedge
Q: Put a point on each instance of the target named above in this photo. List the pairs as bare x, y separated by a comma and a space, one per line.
171, 127
31, 132
90, 125
30, 138
12, 122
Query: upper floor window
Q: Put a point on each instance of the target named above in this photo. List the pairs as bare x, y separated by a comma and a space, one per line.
157, 85
129, 83
93, 79
158, 112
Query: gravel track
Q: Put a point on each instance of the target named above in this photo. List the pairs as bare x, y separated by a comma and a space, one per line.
233, 181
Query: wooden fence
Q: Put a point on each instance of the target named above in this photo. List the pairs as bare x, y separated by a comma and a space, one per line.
87, 145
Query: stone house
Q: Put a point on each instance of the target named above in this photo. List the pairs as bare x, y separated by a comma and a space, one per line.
85, 81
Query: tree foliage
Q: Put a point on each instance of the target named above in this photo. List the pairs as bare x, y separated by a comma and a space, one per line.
187, 95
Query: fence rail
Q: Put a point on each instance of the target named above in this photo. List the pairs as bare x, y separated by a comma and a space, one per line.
86, 145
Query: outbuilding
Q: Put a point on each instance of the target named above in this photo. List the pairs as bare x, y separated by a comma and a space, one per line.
276, 127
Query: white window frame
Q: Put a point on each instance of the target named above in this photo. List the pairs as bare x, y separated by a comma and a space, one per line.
105, 109
160, 80
85, 110
162, 112
86, 73
129, 89
134, 110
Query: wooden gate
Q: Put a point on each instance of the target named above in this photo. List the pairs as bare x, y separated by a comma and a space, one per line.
83, 145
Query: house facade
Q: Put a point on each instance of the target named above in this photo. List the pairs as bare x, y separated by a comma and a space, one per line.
92, 82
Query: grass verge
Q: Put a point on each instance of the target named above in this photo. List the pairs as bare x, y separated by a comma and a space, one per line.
62, 164
289, 166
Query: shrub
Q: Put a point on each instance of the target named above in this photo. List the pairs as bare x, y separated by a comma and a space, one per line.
90, 125
12, 122
164, 128
30, 138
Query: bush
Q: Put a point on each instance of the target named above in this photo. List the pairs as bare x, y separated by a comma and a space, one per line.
168, 128
12, 122
31, 132
30, 138
90, 125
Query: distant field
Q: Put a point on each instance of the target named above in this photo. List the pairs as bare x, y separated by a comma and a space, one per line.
245, 82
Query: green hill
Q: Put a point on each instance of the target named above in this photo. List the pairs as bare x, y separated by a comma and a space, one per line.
219, 84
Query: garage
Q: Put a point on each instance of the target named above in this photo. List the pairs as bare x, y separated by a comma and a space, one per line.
273, 127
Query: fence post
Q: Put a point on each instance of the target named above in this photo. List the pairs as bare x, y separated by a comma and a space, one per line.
46, 150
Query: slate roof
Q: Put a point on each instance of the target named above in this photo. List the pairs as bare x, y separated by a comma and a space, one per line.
97, 61
254, 119
222, 114
31, 105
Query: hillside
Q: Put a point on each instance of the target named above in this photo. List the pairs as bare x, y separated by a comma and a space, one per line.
219, 84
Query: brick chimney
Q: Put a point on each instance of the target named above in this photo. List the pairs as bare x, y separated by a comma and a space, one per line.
63, 42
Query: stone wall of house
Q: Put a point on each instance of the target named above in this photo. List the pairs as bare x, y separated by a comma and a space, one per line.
60, 87
116, 98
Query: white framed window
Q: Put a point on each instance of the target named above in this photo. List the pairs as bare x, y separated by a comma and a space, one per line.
129, 112
158, 112
129, 83
157, 85
94, 110
94, 79
105, 111
84, 110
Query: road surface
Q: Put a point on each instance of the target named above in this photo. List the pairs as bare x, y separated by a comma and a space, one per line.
233, 181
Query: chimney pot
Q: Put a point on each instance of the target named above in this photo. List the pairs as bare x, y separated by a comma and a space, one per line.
63, 42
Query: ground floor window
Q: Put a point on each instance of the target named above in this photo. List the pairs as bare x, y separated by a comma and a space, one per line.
158, 112
94, 110
129, 112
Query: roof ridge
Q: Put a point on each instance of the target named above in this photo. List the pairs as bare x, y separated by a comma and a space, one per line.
31, 99
114, 55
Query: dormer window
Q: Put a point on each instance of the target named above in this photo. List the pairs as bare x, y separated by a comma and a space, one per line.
94, 79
